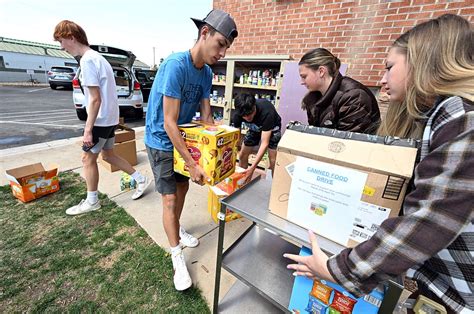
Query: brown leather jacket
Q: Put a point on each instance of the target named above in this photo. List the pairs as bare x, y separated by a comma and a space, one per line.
347, 105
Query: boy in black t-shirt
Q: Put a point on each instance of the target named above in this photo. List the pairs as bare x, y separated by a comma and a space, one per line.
264, 125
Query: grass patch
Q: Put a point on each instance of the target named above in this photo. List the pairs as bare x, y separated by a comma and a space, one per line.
100, 261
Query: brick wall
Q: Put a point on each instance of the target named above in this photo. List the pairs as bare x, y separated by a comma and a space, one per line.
358, 32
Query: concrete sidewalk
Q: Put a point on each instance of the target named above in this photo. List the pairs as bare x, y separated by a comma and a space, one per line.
147, 210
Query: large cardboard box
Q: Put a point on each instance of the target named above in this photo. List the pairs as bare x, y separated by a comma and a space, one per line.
124, 147
341, 185
33, 181
126, 150
213, 147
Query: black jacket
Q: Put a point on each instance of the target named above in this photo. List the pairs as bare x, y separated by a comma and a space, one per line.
347, 105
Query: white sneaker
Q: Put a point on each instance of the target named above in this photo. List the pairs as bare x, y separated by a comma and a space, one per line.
141, 187
187, 239
181, 278
83, 207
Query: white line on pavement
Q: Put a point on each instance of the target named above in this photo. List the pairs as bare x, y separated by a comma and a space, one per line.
45, 124
34, 112
35, 90
44, 118
38, 115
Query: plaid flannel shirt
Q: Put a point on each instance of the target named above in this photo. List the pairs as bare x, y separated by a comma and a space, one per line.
434, 240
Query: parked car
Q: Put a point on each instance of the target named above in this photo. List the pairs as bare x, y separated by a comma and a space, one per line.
61, 76
146, 79
129, 94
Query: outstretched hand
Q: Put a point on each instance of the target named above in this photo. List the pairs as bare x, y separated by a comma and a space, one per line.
313, 266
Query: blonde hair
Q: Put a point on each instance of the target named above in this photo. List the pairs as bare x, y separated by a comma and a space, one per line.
439, 56
315, 58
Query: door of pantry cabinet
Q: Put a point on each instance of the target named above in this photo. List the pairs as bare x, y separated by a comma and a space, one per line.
291, 94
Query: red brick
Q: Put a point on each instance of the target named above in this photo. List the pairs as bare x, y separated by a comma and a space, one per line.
458, 5
409, 9
468, 11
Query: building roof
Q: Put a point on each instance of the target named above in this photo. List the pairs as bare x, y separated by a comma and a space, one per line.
35, 48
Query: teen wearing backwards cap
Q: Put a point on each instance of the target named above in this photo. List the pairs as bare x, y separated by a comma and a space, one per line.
182, 87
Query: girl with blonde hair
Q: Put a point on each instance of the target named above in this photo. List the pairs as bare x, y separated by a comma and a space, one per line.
430, 80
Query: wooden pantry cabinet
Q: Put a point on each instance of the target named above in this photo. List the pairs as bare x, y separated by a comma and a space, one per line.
260, 75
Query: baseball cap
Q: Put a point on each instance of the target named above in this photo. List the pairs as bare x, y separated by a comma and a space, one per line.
221, 22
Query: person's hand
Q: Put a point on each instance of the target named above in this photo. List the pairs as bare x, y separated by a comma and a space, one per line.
87, 139
198, 175
248, 174
313, 266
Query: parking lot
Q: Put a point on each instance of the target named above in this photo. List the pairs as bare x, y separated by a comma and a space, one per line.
31, 115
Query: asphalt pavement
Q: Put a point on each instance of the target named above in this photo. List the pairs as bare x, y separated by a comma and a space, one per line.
37, 114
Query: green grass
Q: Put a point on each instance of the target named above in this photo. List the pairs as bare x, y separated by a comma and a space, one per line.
101, 261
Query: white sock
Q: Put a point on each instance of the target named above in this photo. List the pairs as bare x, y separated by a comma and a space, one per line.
92, 197
137, 176
175, 250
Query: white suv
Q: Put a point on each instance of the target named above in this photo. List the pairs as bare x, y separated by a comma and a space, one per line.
130, 97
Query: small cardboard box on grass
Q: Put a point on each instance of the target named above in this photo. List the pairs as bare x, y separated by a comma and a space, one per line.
225, 188
33, 181
213, 147
341, 185
125, 147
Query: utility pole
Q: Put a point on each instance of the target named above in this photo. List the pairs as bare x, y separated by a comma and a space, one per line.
154, 64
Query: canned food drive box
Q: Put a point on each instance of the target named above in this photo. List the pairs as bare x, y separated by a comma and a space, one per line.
342, 185
213, 147
33, 181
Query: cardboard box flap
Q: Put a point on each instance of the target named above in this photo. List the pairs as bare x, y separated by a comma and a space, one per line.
386, 140
390, 159
20, 172
123, 133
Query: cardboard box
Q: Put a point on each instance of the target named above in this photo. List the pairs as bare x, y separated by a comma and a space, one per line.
341, 185
33, 181
213, 147
124, 134
126, 150
225, 188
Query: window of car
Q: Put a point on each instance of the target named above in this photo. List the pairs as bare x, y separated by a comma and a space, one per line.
62, 69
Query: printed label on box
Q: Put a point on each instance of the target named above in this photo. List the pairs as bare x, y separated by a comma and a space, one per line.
323, 196
367, 221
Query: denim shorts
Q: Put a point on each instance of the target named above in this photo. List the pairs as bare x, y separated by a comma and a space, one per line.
161, 163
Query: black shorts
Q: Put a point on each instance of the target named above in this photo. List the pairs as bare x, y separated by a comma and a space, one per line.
103, 137
253, 138
162, 163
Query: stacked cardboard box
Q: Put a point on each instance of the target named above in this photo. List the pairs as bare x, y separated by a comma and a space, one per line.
125, 147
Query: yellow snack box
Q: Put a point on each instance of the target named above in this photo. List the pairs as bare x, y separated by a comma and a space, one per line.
213, 147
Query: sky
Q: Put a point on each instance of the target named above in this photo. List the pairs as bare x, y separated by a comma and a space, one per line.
135, 25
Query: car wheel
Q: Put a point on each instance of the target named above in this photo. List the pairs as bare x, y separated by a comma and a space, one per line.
53, 86
81, 114
138, 113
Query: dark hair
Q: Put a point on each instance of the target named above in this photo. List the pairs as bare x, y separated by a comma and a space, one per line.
68, 29
212, 30
315, 58
244, 104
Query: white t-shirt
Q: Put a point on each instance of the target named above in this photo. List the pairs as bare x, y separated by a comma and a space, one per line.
96, 71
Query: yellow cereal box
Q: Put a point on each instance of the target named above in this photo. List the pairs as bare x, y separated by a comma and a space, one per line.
213, 147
